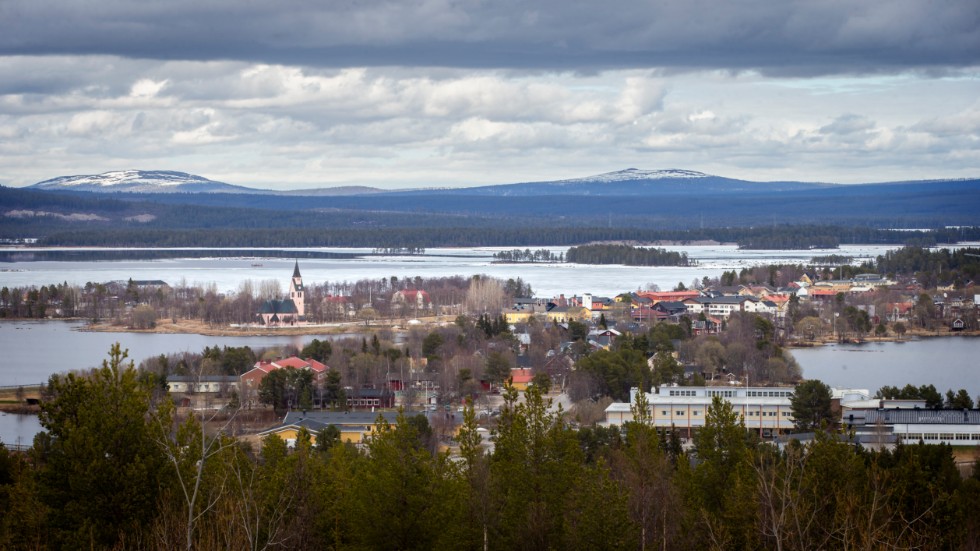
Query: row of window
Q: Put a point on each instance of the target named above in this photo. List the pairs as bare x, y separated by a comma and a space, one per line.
770, 393
364, 402
682, 413
913, 437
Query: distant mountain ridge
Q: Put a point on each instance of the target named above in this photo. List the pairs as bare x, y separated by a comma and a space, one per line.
630, 182
171, 181
140, 181
633, 198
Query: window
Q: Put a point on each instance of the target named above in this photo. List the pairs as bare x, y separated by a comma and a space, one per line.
930, 436
679, 412
696, 412
664, 412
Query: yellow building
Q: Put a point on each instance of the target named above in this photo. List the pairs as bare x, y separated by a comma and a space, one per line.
518, 316
354, 426
520, 378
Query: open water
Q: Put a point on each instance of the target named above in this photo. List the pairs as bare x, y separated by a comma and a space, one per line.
35, 350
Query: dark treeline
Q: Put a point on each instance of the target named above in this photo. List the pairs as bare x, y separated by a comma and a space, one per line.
832, 259
527, 255
511, 235
929, 267
932, 267
626, 254
180, 483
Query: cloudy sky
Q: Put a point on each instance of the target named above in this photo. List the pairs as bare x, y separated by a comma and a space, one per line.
408, 93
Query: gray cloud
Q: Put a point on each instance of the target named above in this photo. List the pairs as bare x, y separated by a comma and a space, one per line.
789, 37
295, 126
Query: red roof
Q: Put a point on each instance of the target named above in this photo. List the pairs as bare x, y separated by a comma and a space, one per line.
822, 292
521, 375
658, 296
412, 294
292, 362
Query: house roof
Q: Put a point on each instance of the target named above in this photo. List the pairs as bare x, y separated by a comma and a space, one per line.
315, 421
521, 375
202, 379
368, 393
412, 294
726, 300
291, 362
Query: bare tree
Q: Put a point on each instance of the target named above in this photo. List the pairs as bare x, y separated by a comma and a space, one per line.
485, 295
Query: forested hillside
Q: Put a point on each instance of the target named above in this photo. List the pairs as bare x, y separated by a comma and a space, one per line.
172, 483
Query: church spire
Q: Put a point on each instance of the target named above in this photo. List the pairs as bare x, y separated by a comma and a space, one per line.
296, 269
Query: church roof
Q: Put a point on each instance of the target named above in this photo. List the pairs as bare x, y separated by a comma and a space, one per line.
296, 270
278, 307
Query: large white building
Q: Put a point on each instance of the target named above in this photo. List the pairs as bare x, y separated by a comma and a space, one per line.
910, 421
683, 408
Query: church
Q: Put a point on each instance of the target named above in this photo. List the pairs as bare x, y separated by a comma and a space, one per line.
288, 311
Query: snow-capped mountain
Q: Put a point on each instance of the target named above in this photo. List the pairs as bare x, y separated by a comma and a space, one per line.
637, 174
141, 181
631, 182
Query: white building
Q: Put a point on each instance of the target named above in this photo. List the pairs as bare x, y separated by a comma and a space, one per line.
683, 408
764, 409
910, 425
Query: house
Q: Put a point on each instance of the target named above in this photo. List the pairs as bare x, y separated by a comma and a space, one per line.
602, 338
673, 296
206, 391
898, 311
354, 426
671, 308
520, 378
818, 294
370, 398
413, 300
337, 306
722, 306
287, 311
595, 303
253, 377
518, 316
707, 326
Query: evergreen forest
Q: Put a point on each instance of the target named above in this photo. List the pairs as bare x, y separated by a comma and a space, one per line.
117, 468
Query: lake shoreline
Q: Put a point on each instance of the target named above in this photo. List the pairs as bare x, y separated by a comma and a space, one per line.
195, 327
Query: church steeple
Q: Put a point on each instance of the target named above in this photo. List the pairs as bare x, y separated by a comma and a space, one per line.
296, 291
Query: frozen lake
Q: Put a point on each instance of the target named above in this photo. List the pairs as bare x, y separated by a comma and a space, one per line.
545, 279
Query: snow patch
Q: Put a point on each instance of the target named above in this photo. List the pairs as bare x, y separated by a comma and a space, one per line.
637, 174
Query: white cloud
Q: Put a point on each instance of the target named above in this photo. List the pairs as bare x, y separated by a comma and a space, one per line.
294, 126
147, 88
